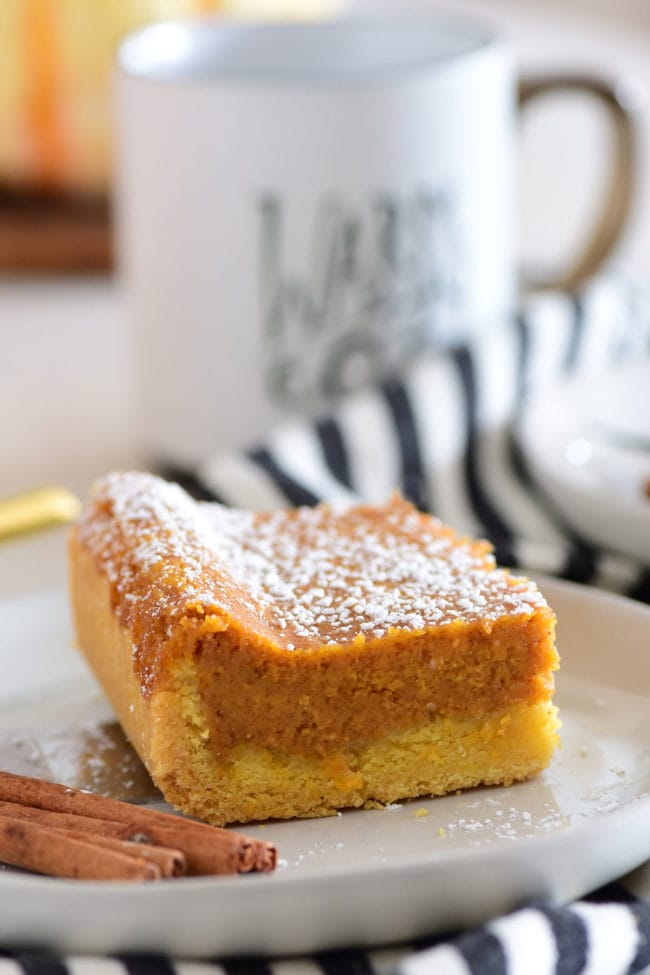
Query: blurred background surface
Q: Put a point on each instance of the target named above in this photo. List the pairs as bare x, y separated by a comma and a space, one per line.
55, 121
65, 388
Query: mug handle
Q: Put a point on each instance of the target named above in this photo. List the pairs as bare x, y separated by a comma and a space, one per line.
615, 206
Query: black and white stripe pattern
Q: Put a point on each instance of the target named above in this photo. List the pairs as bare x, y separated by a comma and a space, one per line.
611, 938
591, 937
442, 434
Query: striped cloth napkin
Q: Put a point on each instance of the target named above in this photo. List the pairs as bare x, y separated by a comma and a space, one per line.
443, 433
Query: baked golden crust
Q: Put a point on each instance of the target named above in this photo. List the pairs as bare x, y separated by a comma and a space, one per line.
250, 689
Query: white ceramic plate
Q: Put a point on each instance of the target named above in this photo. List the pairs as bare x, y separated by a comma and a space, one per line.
366, 878
588, 444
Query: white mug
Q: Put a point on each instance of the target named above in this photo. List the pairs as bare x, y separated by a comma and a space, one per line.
303, 209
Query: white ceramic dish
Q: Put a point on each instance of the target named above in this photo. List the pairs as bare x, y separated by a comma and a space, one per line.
368, 877
579, 440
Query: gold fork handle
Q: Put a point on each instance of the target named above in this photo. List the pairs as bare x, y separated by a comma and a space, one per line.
36, 510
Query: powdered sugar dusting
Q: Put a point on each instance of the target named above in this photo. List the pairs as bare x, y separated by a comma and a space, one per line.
304, 577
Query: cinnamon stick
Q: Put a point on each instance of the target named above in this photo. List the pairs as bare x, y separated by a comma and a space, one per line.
213, 857
67, 821
265, 857
208, 849
114, 836
171, 863
44, 849
216, 852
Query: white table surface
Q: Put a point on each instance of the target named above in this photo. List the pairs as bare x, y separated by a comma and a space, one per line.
65, 387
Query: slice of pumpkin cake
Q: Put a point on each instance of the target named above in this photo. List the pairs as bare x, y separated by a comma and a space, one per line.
296, 662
